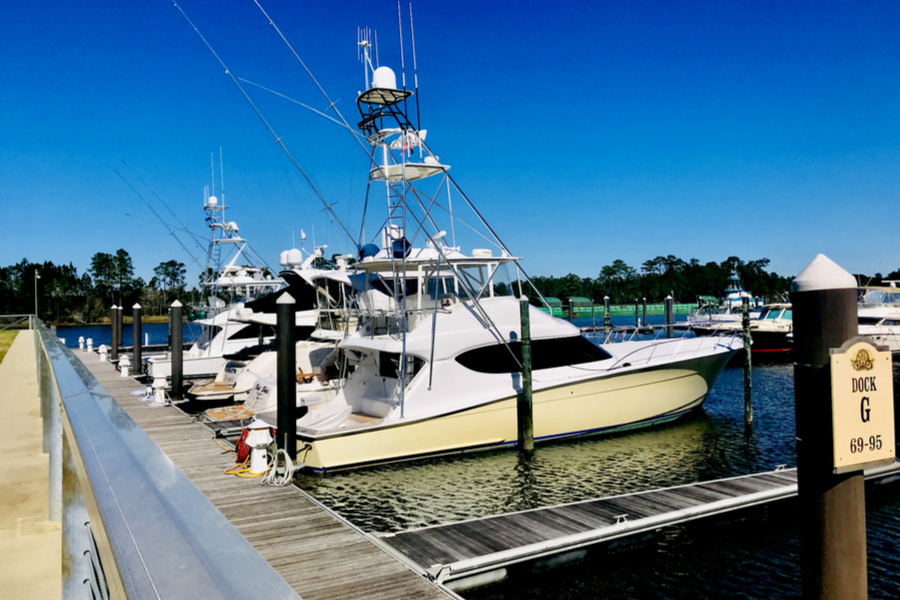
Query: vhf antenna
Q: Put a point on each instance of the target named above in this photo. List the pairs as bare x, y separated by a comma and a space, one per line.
412, 31
402, 61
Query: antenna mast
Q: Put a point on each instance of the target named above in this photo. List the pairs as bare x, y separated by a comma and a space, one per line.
402, 60
221, 178
412, 31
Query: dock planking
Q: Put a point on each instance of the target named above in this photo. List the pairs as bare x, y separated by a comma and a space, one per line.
460, 550
317, 553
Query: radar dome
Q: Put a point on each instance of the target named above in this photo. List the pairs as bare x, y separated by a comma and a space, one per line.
384, 78
212, 201
294, 257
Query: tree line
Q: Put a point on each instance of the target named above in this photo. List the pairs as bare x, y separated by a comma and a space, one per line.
64, 296
684, 280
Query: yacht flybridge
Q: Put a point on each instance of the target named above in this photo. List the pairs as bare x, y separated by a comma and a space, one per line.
435, 363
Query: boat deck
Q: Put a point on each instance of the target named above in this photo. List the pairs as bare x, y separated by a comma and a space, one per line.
317, 553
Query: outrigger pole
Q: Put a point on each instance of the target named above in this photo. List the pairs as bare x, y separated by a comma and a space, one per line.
269, 127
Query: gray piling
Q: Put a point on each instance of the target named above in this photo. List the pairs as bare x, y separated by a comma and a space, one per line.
644, 306
571, 310
524, 404
670, 316
637, 318
120, 326
748, 366
607, 326
286, 434
137, 364
175, 335
831, 507
113, 333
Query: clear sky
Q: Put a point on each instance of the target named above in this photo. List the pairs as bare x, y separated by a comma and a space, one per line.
584, 131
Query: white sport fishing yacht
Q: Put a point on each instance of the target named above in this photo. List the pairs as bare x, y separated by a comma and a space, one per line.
437, 356
254, 382
235, 277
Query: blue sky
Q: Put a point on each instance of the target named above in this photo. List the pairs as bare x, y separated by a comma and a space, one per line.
585, 131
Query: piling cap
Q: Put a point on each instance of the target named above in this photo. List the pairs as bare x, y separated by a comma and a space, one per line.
136, 305
822, 274
176, 304
285, 299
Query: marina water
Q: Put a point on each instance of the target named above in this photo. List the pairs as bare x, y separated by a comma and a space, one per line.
753, 554
157, 333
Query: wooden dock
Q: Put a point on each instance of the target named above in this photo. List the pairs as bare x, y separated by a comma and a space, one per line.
477, 551
316, 552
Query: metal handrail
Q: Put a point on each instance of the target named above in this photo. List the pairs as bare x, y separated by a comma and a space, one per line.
21, 319
157, 535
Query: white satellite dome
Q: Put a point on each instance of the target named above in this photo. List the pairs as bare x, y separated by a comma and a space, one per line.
384, 78
291, 258
231, 226
212, 201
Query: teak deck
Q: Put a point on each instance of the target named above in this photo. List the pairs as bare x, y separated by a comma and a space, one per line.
318, 555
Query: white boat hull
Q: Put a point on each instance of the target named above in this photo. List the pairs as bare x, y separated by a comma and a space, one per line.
600, 405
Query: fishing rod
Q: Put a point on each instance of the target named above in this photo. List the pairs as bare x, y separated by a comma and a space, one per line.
278, 139
161, 201
331, 104
166, 225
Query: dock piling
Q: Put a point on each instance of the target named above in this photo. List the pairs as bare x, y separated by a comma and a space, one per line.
137, 364
175, 332
120, 326
831, 506
637, 319
286, 434
607, 328
670, 316
524, 406
748, 366
113, 333
644, 306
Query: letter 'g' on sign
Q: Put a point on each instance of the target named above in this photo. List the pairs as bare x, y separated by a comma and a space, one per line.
862, 407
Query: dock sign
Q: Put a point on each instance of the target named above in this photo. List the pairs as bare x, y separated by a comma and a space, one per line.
862, 407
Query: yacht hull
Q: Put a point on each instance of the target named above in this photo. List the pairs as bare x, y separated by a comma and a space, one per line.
605, 404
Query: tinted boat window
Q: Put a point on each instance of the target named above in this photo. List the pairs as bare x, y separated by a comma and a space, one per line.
545, 354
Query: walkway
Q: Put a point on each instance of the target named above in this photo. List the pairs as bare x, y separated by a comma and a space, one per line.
30, 545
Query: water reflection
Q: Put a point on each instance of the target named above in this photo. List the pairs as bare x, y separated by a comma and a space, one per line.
708, 444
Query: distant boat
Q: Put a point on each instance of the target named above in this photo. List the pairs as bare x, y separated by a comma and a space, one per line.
879, 315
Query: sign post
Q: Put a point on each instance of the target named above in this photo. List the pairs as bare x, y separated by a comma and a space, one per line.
832, 505
862, 406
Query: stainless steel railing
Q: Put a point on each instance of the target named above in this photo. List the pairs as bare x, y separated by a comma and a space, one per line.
134, 527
